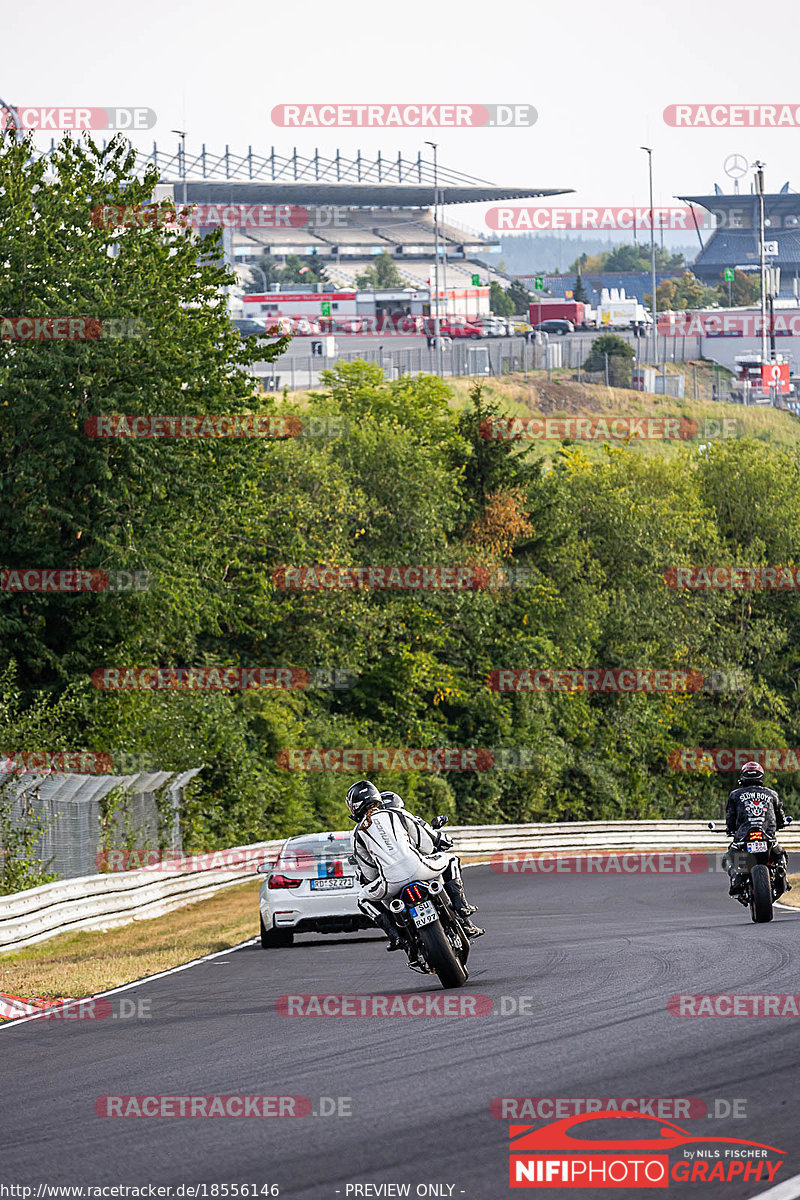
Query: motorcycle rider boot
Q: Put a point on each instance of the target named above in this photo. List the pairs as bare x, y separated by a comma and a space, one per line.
737, 884
455, 892
396, 939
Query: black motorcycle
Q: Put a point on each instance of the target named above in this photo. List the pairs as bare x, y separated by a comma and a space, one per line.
753, 856
435, 939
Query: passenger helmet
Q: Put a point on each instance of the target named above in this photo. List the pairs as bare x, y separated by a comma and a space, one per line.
751, 772
391, 800
360, 797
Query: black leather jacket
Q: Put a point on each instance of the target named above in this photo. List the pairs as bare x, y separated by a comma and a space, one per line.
754, 805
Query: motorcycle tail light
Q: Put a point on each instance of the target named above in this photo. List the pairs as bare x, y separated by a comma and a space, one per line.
282, 881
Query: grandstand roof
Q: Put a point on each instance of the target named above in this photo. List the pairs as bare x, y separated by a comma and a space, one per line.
359, 195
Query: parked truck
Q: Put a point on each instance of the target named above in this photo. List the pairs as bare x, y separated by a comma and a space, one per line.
618, 311
567, 310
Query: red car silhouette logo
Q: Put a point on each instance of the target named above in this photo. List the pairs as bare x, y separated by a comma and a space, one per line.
556, 1136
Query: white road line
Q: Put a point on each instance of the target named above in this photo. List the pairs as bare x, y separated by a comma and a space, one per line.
788, 1190
125, 986
146, 979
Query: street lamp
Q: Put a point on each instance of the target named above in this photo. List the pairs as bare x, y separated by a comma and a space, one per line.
435, 148
653, 306
182, 134
759, 178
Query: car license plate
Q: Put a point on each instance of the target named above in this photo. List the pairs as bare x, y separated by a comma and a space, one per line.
333, 884
423, 914
757, 847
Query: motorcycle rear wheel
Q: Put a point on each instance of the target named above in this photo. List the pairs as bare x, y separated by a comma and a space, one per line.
761, 907
441, 957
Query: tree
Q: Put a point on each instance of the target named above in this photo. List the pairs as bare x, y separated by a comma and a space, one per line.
683, 293
499, 301
382, 274
519, 296
745, 289
492, 465
620, 356
307, 270
579, 292
626, 257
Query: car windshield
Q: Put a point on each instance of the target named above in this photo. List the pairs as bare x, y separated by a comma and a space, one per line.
320, 846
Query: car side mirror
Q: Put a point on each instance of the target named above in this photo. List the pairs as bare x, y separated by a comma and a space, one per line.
351, 858
788, 821
264, 868
439, 821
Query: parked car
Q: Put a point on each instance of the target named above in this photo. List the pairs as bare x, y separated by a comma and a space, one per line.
310, 887
246, 327
521, 328
555, 325
492, 326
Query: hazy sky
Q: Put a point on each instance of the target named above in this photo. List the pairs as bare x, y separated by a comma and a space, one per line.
599, 74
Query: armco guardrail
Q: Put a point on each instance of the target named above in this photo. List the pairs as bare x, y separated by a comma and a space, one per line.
472, 840
104, 901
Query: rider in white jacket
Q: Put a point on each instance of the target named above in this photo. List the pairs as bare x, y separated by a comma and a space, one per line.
392, 848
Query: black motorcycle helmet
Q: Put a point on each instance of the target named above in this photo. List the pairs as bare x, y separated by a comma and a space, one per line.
751, 772
360, 797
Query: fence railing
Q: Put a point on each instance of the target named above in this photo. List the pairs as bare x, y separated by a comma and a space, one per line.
68, 812
105, 901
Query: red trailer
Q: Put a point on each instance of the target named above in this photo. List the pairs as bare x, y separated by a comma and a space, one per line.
569, 310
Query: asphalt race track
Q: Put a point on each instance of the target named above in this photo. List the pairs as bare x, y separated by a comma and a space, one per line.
599, 955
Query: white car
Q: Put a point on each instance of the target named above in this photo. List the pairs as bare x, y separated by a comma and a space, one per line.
310, 888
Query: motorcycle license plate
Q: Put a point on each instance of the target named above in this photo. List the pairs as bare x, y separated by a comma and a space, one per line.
757, 847
327, 885
423, 914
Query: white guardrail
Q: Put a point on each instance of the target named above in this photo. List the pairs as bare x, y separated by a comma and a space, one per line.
107, 900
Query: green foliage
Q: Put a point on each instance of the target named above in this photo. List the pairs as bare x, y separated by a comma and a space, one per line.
307, 270
626, 257
579, 292
500, 300
382, 274
412, 481
620, 357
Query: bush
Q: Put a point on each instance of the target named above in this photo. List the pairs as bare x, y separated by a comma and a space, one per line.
620, 356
